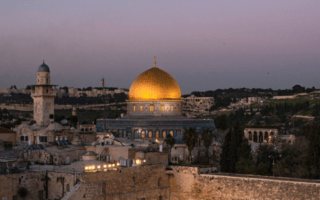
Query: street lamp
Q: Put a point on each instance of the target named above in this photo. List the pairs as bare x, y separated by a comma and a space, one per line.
273, 162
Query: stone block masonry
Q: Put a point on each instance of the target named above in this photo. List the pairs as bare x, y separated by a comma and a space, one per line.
187, 183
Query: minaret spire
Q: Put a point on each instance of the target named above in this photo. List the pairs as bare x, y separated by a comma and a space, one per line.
155, 61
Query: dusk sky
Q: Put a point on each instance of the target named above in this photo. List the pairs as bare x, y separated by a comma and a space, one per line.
204, 44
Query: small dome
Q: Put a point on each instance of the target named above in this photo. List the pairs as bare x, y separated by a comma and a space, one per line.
54, 127
154, 85
43, 68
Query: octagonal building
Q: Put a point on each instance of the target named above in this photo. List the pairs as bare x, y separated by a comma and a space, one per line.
154, 109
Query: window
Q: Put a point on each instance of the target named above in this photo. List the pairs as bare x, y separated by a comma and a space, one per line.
47, 91
171, 108
164, 134
151, 108
22, 138
162, 107
150, 134
141, 108
124, 134
177, 108
157, 134
26, 138
15, 197
134, 108
68, 188
43, 138
143, 134
160, 197
171, 133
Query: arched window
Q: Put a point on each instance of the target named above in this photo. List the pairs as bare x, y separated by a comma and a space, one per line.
143, 134
266, 136
164, 134
120, 133
250, 136
177, 108
141, 108
86, 129
150, 134
171, 133
124, 134
271, 133
157, 133
151, 108
255, 136
162, 108
260, 137
82, 129
134, 108
171, 108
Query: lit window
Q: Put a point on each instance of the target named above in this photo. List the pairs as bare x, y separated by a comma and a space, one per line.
151, 108
150, 134
134, 108
157, 134
164, 134
162, 107
171, 133
143, 134
177, 108
171, 108
141, 108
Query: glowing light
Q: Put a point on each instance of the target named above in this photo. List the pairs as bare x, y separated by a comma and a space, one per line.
109, 165
86, 168
113, 165
93, 167
154, 84
104, 166
138, 162
118, 164
99, 166
144, 160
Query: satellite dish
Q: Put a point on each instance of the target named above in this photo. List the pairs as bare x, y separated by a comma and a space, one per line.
64, 121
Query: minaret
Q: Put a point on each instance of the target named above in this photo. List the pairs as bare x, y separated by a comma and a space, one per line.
155, 61
102, 82
43, 97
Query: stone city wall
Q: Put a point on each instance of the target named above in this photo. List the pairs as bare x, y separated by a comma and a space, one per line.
187, 183
149, 182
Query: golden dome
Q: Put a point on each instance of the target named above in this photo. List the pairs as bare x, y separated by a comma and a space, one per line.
154, 85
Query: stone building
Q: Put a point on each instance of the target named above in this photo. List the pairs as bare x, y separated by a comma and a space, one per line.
7, 137
267, 136
43, 97
193, 106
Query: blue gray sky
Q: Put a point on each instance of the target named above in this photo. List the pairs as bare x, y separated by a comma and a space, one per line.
204, 45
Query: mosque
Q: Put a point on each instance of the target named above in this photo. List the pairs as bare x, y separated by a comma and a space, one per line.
154, 109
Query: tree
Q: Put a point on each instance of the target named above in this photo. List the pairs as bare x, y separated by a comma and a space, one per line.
171, 142
190, 137
207, 138
235, 148
313, 157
